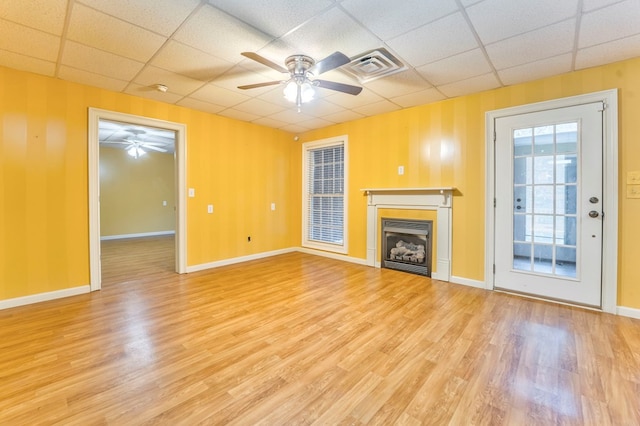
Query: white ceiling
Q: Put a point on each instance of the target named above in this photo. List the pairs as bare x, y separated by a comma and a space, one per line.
450, 47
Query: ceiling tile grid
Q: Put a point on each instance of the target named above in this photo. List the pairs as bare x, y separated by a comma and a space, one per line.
446, 48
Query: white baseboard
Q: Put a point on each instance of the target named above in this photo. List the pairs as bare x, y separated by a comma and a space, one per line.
330, 255
234, 260
43, 297
628, 312
468, 282
142, 234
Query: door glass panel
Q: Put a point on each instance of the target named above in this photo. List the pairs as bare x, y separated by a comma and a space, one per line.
545, 199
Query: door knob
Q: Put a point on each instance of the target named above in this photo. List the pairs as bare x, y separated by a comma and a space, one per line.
593, 213
593, 200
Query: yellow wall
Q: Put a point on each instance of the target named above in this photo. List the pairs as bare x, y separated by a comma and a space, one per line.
443, 144
44, 227
241, 168
132, 191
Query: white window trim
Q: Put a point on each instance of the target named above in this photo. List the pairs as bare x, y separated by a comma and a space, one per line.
335, 248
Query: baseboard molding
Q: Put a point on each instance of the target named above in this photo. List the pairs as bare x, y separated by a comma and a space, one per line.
628, 312
330, 255
138, 235
468, 282
234, 260
43, 297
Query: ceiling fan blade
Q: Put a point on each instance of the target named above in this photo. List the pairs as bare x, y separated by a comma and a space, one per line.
333, 61
340, 87
154, 148
264, 61
254, 86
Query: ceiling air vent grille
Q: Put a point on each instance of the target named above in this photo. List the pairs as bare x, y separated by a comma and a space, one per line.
374, 64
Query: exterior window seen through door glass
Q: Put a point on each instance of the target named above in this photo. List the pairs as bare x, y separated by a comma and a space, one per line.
545, 199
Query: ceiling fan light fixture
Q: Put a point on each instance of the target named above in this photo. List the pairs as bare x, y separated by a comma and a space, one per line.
299, 92
136, 152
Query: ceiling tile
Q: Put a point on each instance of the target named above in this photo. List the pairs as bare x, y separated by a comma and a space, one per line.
608, 52
521, 49
315, 123
273, 17
589, 5
402, 83
200, 105
17, 38
397, 20
219, 34
346, 115
611, 23
44, 15
151, 93
495, 20
295, 128
96, 29
239, 76
446, 37
269, 122
160, 16
350, 102
543, 68
377, 108
419, 98
238, 115
219, 95
329, 32
321, 108
99, 62
258, 107
177, 83
27, 63
454, 68
91, 79
193, 63
291, 116
471, 85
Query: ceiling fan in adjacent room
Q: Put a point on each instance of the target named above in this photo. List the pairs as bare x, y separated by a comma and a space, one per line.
134, 145
302, 69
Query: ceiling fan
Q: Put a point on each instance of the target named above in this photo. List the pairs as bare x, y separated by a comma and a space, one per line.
134, 146
302, 69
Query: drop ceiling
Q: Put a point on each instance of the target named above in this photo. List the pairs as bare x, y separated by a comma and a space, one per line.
448, 48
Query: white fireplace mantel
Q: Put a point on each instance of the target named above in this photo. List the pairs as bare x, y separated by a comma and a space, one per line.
437, 199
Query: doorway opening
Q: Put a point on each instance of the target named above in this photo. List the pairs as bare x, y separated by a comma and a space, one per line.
135, 125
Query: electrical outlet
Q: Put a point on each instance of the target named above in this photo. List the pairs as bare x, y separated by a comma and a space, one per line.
249, 239
210, 208
273, 206
633, 178
633, 191
164, 203
192, 192
400, 170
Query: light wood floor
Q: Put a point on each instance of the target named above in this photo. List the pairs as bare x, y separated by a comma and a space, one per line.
300, 339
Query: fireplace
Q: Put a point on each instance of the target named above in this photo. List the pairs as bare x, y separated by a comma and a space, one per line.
406, 245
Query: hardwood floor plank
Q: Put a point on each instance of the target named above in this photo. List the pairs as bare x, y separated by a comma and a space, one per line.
298, 339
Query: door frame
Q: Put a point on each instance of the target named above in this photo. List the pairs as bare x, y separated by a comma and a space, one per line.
95, 115
609, 185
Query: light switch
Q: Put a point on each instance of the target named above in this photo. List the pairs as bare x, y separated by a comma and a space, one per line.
633, 178
192, 192
210, 208
633, 191
164, 203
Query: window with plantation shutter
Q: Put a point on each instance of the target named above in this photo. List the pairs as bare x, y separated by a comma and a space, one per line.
324, 190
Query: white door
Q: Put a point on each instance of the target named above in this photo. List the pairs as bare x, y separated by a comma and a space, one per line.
548, 204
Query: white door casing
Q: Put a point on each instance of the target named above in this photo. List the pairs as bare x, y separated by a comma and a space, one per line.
597, 233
